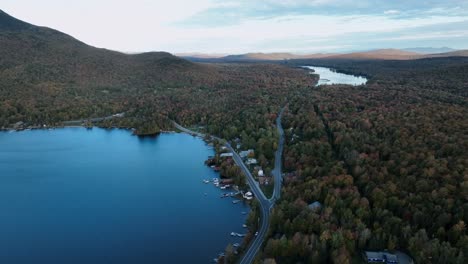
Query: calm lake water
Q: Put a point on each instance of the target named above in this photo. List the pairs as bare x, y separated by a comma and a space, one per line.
103, 196
328, 76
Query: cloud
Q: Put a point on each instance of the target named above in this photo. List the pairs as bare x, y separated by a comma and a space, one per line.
295, 33
391, 12
228, 12
230, 26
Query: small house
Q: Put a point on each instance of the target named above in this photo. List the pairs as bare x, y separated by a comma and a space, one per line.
315, 206
225, 155
264, 180
248, 196
251, 161
246, 153
18, 125
380, 257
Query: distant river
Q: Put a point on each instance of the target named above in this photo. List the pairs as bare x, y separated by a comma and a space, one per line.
104, 196
329, 76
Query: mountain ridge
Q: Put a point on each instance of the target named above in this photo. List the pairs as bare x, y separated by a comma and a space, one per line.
378, 54
429, 50
8, 22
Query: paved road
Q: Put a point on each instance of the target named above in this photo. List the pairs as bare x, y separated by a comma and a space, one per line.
188, 131
265, 204
92, 120
277, 171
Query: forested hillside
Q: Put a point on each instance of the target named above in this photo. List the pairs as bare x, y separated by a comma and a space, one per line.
48, 77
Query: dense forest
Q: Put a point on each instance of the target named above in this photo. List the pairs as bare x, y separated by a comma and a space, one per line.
388, 161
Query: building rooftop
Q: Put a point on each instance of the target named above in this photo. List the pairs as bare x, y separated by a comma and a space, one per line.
315, 205
245, 153
380, 256
251, 161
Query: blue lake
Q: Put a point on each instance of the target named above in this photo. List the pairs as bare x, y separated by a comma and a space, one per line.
104, 196
329, 76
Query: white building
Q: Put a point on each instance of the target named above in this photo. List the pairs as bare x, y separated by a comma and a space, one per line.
251, 161
248, 196
245, 153
227, 154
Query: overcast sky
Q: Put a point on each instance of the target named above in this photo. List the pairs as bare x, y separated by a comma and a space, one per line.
239, 26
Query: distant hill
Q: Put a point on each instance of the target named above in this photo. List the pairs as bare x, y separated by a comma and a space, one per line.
429, 50
251, 57
273, 56
380, 54
200, 55
457, 53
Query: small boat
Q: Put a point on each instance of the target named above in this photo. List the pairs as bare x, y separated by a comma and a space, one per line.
235, 201
233, 234
236, 244
223, 187
244, 226
206, 181
240, 235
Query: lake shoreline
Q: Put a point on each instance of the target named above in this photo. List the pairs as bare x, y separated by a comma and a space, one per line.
10, 129
330, 76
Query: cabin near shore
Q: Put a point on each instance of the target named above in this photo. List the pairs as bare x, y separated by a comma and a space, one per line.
386, 257
226, 155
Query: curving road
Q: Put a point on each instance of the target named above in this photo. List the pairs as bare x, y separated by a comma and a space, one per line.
186, 130
92, 120
265, 204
